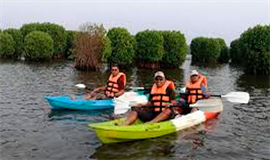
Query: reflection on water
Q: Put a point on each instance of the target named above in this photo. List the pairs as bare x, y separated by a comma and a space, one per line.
254, 81
81, 115
30, 130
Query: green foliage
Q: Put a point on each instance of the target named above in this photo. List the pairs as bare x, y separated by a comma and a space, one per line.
235, 53
56, 31
69, 51
224, 51
6, 45
106, 49
28, 28
255, 46
175, 48
134, 43
149, 46
18, 38
204, 49
122, 44
38, 46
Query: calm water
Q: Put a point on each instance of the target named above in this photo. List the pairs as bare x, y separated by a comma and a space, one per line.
29, 130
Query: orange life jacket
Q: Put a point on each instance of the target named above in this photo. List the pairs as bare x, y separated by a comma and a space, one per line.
112, 86
194, 89
159, 97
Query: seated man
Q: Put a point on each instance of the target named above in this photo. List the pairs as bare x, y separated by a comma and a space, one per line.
115, 86
161, 95
195, 90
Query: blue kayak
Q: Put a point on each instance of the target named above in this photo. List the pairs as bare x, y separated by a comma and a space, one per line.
66, 102
79, 103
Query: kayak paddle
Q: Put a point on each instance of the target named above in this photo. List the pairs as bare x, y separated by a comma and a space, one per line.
83, 86
204, 105
235, 97
208, 105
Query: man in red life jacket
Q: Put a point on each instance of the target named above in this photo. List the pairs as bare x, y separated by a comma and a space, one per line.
195, 90
162, 93
115, 86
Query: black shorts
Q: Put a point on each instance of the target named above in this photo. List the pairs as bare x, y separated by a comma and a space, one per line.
185, 109
146, 114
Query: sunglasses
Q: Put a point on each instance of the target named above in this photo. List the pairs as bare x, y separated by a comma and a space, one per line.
159, 79
194, 76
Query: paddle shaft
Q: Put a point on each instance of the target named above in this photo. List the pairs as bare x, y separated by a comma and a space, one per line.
215, 95
155, 106
82, 86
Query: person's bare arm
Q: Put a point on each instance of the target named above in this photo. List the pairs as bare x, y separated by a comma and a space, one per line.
145, 104
102, 88
119, 93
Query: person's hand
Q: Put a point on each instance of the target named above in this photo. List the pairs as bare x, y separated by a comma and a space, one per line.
167, 105
96, 90
208, 95
92, 93
174, 102
110, 95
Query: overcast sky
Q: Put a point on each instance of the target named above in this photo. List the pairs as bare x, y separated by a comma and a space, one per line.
226, 19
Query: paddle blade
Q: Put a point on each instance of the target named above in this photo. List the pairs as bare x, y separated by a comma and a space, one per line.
123, 103
237, 97
80, 86
121, 107
137, 88
209, 105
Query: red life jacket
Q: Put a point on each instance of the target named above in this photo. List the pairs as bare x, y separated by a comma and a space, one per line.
112, 86
194, 89
159, 96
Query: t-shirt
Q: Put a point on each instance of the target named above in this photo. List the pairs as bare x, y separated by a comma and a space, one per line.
171, 92
121, 82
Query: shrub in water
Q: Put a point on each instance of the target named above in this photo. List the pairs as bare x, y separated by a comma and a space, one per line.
56, 32
224, 51
69, 51
38, 46
149, 48
122, 42
255, 46
235, 53
204, 49
18, 38
175, 48
6, 45
92, 47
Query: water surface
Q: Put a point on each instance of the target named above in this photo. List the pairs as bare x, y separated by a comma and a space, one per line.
30, 130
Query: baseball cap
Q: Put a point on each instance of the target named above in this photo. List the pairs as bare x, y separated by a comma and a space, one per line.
159, 73
194, 72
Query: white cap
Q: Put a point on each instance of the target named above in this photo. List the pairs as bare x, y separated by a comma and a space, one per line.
194, 72
159, 73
